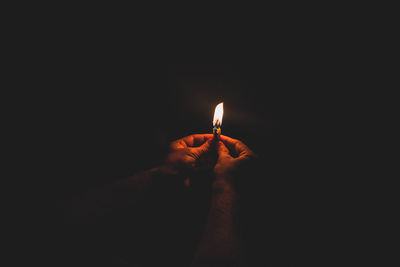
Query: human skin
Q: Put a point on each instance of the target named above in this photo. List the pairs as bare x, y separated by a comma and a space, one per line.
220, 243
183, 157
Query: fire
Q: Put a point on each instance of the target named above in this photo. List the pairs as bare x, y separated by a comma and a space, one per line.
218, 114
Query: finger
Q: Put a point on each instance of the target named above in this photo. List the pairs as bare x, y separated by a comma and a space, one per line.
246, 162
247, 156
177, 144
222, 149
236, 145
201, 149
196, 139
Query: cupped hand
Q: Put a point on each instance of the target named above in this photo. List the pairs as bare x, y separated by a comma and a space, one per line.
232, 155
186, 153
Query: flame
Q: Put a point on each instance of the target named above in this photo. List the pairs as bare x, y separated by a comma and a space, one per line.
219, 112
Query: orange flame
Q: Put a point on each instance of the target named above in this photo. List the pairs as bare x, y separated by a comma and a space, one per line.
218, 114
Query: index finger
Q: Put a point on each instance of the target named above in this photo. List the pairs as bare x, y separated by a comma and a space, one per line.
196, 139
235, 145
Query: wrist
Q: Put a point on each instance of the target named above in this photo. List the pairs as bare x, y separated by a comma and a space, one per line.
222, 183
166, 169
161, 174
223, 176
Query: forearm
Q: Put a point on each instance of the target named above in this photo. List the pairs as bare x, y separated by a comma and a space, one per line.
94, 204
219, 245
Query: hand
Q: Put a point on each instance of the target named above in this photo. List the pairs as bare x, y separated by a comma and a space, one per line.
186, 153
232, 155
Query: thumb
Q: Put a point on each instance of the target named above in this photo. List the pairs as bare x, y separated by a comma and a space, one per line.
222, 149
202, 149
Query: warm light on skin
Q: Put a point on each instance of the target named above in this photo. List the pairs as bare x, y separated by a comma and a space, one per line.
218, 114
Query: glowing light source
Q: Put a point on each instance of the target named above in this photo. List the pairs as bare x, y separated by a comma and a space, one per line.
218, 114
217, 121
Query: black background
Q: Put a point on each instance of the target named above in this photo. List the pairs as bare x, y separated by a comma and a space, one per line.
96, 101
111, 121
